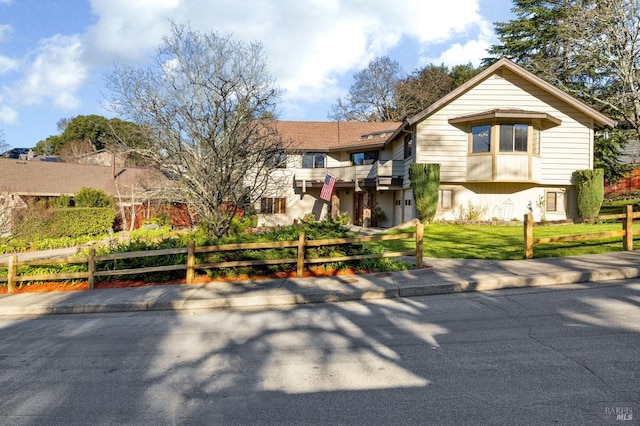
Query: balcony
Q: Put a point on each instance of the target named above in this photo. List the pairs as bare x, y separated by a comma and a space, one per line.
378, 175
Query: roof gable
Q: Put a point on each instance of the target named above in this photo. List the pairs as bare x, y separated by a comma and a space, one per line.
600, 119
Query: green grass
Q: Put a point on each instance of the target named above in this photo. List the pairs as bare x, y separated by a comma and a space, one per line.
617, 207
507, 242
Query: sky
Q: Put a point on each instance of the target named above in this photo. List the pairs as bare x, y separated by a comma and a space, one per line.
55, 54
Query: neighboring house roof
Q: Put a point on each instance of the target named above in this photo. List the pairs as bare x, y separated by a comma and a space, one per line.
41, 178
15, 153
332, 135
600, 120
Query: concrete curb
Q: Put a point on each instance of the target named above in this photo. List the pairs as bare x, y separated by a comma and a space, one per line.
386, 288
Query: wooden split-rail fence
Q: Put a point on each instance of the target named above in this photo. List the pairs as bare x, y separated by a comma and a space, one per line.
626, 232
191, 265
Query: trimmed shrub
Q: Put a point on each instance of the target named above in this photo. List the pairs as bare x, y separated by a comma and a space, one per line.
59, 223
590, 192
89, 197
425, 182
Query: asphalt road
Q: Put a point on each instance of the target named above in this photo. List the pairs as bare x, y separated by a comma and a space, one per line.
565, 355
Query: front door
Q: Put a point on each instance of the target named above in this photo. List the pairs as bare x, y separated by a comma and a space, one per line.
358, 205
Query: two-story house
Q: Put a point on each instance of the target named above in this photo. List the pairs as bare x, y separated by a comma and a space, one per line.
507, 143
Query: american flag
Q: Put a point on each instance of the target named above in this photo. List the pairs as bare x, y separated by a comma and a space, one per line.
327, 187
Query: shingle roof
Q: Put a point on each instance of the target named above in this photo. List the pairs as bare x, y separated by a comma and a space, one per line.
330, 135
41, 178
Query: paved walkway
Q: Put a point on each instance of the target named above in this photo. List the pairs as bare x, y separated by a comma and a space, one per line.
440, 276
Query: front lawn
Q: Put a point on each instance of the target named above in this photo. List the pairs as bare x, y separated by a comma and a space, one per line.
506, 242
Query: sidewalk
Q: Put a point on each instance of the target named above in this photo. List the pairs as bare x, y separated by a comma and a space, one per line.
439, 277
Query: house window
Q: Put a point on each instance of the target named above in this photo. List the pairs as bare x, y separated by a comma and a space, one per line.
408, 146
273, 205
276, 160
554, 201
445, 199
360, 158
514, 137
481, 138
314, 160
407, 202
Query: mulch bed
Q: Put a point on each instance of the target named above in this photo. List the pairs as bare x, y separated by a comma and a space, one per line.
80, 286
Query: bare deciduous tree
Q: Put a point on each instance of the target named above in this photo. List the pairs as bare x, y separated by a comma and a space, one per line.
9, 205
4, 146
605, 42
200, 103
371, 96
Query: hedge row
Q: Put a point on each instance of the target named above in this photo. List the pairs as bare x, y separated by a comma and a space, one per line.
65, 223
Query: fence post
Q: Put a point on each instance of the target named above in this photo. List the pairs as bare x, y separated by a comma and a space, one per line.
191, 262
627, 226
528, 236
300, 266
419, 244
91, 268
12, 272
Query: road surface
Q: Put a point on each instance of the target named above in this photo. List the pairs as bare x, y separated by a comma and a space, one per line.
565, 355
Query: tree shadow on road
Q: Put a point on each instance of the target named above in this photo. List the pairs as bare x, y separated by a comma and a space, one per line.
442, 359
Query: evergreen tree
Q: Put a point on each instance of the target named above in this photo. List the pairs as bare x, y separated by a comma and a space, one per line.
425, 183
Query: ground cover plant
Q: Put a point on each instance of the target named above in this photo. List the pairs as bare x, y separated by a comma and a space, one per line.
150, 240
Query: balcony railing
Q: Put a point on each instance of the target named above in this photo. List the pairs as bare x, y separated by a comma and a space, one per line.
365, 172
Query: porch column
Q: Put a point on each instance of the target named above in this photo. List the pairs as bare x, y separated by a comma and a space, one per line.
335, 206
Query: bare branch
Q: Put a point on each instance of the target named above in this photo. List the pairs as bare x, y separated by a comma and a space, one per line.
200, 105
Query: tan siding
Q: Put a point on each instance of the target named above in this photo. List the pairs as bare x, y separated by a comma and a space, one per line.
564, 148
504, 201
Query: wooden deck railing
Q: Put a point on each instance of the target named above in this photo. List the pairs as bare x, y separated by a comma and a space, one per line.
191, 265
626, 232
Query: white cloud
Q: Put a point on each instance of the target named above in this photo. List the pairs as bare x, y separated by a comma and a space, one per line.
8, 115
472, 50
128, 30
8, 64
309, 44
56, 72
4, 30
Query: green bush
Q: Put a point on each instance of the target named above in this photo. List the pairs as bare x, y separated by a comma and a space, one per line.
240, 224
343, 218
36, 224
89, 197
77, 222
590, 192
326, 229
63, 201
471, 212
143, 262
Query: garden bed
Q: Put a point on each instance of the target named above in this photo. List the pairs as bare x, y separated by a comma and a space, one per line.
201, 279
